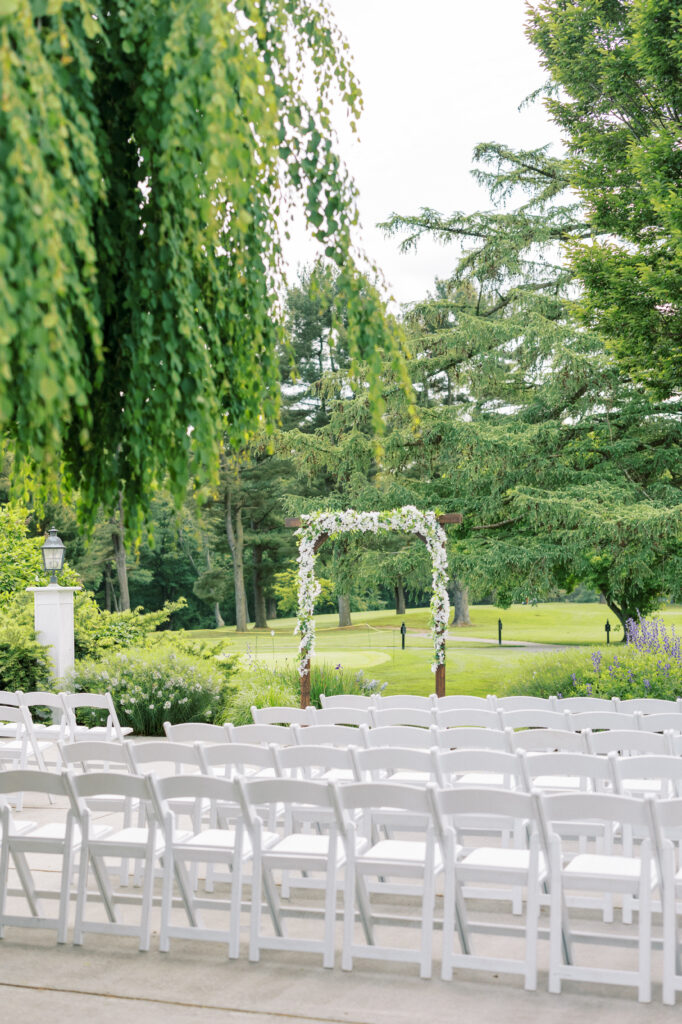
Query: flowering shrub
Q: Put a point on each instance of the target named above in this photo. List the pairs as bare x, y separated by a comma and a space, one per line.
279, 687
648, 665
407, 520
150, 687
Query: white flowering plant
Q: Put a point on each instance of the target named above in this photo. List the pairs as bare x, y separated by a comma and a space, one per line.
150, 687
407, 519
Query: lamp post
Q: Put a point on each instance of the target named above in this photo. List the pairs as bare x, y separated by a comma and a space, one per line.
53, 608
53, 555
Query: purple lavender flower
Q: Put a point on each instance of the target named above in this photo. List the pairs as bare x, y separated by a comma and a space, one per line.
647, 684
589, 689
596, 660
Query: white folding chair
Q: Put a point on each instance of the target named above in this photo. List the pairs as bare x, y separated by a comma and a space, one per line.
648, 705
18, 741
464, 702
566, 772
458, 718
422, 718
331, 735
347, 700
467, 867
283, 716
600, 815
611, 720
19, 839
196, 732
577, 705
670, 721
283, 735
56, 729
342, 716
225, 760
142, 842
223, 842
315, 762
546, 740
627, 742
306, 851
384, 804
405, 765
667, 826
499, 769
402, 736
474, 738
112, 730
535, 718
405, 700
102, 756
11, 697
520, 702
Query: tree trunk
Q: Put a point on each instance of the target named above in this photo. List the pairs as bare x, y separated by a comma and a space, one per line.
219, 621
460, 601
118, 540
621, 615
235, 539
344, 610
258, 591
109, 595
272, 608
399, 592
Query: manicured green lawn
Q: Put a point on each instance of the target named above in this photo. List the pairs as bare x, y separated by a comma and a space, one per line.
372, 643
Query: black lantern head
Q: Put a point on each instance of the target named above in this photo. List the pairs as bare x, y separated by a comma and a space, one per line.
53, 554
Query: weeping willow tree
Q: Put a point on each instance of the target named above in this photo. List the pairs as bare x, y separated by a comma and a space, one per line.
150, 157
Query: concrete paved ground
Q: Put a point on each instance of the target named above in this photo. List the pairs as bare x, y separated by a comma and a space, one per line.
107, 981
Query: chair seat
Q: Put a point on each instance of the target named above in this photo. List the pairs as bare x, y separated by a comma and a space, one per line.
501, 857
482, 779
400, 851
99, 732
558, 782
304, 844
217, 839
637, 786
600, 865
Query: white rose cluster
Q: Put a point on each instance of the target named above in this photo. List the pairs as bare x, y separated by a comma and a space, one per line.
407, 519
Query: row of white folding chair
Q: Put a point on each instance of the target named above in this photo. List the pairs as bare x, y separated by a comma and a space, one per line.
478, 717
379, 858
647, 705
63, 708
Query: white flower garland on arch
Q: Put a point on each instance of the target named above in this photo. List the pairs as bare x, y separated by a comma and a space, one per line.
407, 519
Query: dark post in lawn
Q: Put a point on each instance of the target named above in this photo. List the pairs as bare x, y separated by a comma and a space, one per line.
403, 631
607, 629
293, 523
499, 632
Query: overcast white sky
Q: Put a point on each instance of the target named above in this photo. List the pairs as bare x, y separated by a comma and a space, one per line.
437, 76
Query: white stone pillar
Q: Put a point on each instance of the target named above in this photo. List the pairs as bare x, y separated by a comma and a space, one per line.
53, 616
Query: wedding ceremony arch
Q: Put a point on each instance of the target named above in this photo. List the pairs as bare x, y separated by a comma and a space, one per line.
314, 529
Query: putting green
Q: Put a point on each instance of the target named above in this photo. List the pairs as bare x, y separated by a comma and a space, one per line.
347, 659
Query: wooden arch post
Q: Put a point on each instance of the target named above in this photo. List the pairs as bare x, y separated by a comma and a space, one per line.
294, 522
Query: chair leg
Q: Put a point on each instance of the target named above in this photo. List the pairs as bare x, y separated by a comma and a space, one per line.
348, 911
147, 894
670, 937
555, 922
235, 902
330, 909
65, 890
256, 896
428, 899
448, 916
532, 922
644, 987
166, 898
81, 891
4, 870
